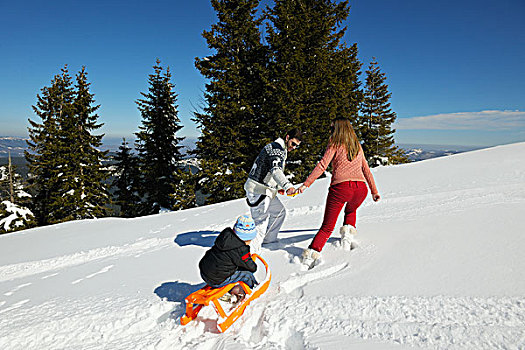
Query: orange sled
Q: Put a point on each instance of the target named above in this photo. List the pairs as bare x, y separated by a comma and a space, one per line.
203, 297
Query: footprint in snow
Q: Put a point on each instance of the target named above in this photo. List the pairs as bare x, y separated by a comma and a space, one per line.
49, 276
300, 280
15, 306
8, 294
104, 270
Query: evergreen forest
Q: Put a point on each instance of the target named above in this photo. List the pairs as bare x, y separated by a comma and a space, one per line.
269, 69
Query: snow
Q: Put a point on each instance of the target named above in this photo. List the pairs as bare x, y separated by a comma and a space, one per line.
21, 193
439, 266
16, 215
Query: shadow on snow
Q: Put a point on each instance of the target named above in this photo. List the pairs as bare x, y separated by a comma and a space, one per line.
206, 239
287, 244
198, 238
176, 291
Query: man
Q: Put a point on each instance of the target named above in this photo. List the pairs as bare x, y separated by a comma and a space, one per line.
266, 178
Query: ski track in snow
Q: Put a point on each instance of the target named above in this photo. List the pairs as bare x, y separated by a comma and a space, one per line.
104, 270
112, 323
416, 206
49, 276
436, 322
14, 271
295, 282
286, 322
17, 289
14, 306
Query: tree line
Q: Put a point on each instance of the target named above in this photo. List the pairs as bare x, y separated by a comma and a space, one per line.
269, 70
285, 67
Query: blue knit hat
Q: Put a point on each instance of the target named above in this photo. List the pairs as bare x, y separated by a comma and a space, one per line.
244, 228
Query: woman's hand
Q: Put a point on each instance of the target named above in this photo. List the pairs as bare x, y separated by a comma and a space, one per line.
376, 197
301, 189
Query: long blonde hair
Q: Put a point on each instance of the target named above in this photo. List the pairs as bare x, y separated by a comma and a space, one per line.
343, 134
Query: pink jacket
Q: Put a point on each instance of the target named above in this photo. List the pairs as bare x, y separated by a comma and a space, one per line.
343, 169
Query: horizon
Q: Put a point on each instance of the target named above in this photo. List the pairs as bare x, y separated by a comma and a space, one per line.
454, 70
113, 140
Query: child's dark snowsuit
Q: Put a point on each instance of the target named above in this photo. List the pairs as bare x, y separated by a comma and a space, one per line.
228, 261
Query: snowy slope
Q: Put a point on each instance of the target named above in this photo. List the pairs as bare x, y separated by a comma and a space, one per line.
439, 266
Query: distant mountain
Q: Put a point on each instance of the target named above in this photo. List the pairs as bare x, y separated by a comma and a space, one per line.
113, 143
15, 145
422, 152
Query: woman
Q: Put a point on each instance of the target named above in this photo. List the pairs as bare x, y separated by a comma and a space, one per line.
350, 171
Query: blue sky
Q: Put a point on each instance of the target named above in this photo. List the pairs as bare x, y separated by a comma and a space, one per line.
455, 68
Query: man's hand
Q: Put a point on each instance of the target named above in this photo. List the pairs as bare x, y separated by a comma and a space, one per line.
376, 197
302, 188
290, 191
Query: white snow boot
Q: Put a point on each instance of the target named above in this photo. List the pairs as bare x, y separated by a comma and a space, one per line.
310, 257
348, 233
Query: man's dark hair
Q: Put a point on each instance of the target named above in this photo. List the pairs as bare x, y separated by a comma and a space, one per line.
295, 133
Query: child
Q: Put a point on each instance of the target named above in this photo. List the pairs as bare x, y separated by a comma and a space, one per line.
229, 260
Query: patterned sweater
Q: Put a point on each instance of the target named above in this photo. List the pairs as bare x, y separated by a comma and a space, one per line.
267, 173
343, 169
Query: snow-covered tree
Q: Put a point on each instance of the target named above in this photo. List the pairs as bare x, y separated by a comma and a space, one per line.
14, 201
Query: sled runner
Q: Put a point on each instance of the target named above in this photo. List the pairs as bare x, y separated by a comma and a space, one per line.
203, 297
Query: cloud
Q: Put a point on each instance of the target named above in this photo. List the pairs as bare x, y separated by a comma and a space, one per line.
484, 120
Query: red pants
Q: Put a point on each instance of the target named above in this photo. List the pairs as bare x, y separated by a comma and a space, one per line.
351, 193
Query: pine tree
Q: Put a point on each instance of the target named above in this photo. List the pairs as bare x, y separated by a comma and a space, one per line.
127, 181
88, 176
314, 74
46, 152
82, 193
347, 90
376, 119
184, 191
233, 125
66, 171
157, 144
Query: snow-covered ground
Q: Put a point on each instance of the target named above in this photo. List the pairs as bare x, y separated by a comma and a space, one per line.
440, 265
